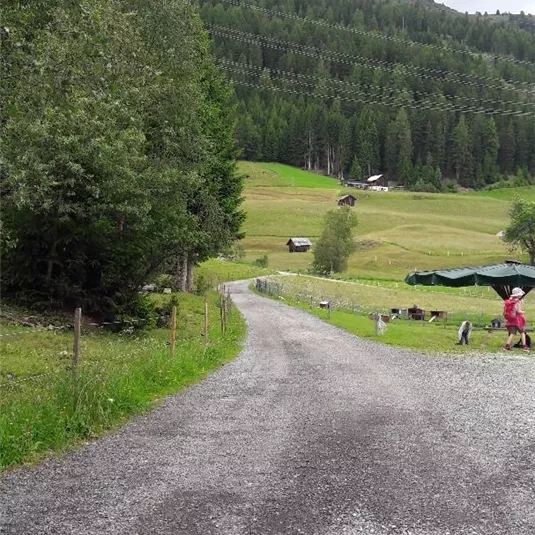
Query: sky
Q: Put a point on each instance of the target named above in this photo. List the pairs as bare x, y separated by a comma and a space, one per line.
509, 6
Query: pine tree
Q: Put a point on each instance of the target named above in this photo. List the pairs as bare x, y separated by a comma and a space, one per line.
356, 170
462, 154
399, 148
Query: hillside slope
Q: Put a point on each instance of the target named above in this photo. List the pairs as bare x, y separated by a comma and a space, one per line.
397, 231
353, 87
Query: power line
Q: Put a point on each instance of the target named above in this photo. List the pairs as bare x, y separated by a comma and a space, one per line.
396, 103
359, 88
279, 44
374, 35
398, 100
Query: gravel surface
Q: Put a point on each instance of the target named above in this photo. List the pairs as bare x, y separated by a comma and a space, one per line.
310, 431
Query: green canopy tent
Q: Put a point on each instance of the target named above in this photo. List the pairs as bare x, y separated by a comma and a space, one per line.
501, 277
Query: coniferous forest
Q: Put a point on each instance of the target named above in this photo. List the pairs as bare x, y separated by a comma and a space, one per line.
354, 87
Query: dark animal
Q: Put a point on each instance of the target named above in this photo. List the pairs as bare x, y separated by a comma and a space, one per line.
518, 345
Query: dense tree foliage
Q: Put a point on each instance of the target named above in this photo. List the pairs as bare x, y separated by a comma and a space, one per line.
118, 149
317, 96
335, 245
521, 231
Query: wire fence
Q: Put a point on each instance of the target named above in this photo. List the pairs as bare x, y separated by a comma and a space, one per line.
72, 361
280, 290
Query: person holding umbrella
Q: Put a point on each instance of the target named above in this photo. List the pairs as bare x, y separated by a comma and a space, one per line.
515, 321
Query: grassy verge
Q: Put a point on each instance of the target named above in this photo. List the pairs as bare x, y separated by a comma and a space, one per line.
472, 303
219, 271
417, 335
119, 375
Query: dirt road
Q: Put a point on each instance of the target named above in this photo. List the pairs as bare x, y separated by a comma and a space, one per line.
309, 431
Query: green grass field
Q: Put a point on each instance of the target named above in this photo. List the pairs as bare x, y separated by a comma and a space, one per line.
353, 302
397, 232
119, 374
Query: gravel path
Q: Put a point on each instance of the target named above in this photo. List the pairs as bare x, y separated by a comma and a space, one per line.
310, 431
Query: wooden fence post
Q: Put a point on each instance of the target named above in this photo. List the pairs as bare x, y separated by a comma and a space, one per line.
224, 304
222, 313
229, 305
76, 344
206, 322
173, 331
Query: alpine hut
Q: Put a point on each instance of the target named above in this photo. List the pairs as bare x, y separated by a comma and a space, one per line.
347, 200
298, 245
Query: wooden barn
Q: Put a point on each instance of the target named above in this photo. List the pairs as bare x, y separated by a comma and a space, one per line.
298, 245
347, 200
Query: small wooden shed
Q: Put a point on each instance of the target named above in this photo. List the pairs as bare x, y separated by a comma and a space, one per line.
347, 200
298, 245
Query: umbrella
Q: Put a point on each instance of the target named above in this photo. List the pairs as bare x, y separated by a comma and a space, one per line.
501, 277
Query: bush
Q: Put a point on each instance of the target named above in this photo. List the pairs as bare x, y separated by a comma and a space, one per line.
202, 285
238, 251
140, 311
164, 281
262, 261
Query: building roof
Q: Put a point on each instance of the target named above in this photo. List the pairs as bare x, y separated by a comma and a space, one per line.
374, 178
299, 242
347, 197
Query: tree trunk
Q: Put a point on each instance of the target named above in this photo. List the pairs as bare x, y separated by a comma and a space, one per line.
51, 261
181, 274
532, 257
190, 263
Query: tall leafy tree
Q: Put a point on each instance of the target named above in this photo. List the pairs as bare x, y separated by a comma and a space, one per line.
124, 158
521, 231
335, 245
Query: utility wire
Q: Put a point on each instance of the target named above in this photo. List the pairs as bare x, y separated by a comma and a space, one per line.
347, 99
398, 100
375, 35
338, 57
225, 63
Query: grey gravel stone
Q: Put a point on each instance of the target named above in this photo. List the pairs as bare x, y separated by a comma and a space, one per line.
310, 431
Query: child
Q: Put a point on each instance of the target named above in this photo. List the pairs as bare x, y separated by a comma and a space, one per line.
515, 321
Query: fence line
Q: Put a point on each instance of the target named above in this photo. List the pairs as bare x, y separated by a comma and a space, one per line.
280, 290
225, 306
30, 378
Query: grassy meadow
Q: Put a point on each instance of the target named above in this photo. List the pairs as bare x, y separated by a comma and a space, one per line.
352, 302
120, 374
397, 232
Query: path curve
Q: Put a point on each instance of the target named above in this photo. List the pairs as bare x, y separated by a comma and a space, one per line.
309, 431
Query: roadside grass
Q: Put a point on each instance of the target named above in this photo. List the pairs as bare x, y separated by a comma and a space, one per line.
120, 374
353, 302
217, 271
417, 335
379, 296
397, 231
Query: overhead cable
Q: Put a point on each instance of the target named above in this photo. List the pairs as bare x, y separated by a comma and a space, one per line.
338, 57
363, 100
375, 35
360, 87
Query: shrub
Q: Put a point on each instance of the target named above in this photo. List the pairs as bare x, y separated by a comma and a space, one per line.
262, 261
